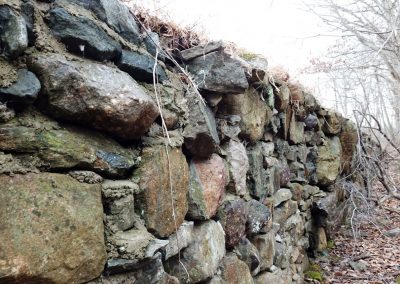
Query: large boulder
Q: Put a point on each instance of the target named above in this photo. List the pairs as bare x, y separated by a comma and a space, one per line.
202, 256
254, 113
24, 90
328, 161
207, 187
52, 229
219, 72
238, 165
63, 147
81, 35
155, 201
95, 95
13, 32
116, 15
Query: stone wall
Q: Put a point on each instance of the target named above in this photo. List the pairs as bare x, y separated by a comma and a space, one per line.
243, 190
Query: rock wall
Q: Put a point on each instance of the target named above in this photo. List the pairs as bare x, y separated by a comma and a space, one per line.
243, 190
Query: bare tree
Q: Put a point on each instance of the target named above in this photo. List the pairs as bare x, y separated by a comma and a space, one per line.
362, 69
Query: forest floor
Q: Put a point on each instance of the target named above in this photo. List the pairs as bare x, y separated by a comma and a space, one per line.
373, 256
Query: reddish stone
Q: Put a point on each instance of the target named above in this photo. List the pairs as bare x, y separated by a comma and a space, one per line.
207, 187
155, 200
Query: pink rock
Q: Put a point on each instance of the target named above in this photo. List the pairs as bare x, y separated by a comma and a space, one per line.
207, 186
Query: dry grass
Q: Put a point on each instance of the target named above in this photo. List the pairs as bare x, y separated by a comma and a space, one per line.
172, 36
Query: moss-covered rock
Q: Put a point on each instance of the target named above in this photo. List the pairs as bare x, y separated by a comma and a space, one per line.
51, 229
63, 147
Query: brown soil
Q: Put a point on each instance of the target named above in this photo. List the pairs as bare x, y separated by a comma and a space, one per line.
8, 73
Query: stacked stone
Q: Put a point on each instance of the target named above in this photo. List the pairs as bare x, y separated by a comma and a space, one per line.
92, 191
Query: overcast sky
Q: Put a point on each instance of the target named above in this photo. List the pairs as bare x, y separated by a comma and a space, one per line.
282, 30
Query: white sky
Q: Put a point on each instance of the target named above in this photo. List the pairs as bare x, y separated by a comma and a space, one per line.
281, 30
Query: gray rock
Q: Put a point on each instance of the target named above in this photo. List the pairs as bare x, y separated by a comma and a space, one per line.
25, 90
116, 15
156, 246
153, 272
202, 256
82, 36
6, 113
13, 32
119, 204
358, 265
284, 211
234, 271
273, 180
311, 122
265, 244
282, 195
148, 271
277, 277
152, 43
219, 72
140, 67
96, 95
296, 131
392, 233
267, 148
201, 50
28, 13
228, 129
179, 240
257, 175
248, 253
258, 216
238, 166
232, 215
295, 226
200, 134
282, 255
259, 67
119, 265
131, 244
309, 190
